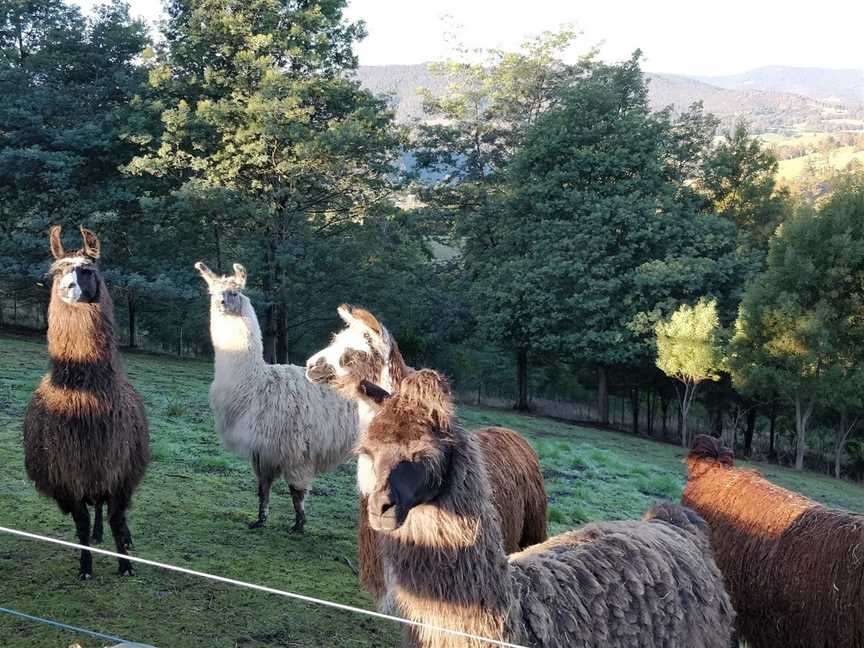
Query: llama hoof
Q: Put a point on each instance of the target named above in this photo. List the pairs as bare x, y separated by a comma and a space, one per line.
257, 524
84, 576
297, 528
127, 571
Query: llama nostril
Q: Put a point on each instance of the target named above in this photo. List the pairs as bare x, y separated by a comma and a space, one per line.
386, 507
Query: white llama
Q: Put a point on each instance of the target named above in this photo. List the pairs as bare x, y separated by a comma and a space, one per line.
270, 414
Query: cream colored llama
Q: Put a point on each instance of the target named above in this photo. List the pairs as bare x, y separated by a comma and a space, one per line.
270, 414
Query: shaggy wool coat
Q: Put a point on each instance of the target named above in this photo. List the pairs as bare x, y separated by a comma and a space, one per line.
271, 414
85, 430
633, 584
794, 568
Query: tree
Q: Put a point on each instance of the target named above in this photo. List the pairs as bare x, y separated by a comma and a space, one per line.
69, 89
463, 150
598, 236
738, 177
800, 332
258, 111
688, 351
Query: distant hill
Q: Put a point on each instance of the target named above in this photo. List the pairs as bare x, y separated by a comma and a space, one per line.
841, 86
770, 110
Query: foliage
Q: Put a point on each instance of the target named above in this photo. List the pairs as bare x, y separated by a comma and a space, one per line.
688, 351
598, 237
739, 179
279, 156
800, 329
69, 95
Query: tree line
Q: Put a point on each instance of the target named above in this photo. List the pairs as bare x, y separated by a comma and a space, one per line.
533, 234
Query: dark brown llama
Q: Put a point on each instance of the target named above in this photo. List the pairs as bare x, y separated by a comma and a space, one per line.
647, 583
794, 568
364, 356
86, 440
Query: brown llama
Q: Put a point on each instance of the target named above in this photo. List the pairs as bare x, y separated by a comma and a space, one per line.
647, 583
365, 354
794, 568
86, 440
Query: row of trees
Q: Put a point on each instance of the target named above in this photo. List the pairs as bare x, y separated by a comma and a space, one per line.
534, 229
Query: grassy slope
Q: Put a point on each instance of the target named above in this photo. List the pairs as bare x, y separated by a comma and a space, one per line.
192, 508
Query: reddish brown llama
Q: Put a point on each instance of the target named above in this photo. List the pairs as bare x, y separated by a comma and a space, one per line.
85, 432
794, 568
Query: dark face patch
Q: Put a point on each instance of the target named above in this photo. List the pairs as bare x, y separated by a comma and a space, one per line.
410, 484
231, 302
88, 282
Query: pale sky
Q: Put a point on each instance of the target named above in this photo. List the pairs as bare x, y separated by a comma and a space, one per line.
687, 37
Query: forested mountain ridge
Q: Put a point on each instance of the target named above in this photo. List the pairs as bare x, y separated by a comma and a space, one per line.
842, 86
767, 109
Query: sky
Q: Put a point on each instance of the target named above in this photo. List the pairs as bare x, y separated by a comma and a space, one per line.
692, 37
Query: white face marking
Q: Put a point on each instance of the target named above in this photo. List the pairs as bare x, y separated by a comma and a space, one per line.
365, 474
353, 337
70, 291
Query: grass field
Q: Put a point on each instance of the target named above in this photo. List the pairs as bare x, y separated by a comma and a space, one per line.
195, 501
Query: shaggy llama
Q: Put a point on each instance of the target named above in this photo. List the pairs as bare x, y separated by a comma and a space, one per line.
636, 583
365, 355
795, 569
86, 440
270, 414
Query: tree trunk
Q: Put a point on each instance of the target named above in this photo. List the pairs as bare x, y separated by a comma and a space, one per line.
522, 380
634, 409
802, 416
268, 332
281, 333
843, 434
130, 303
771, 427
218, 243
602, 396
664, 410
748, 432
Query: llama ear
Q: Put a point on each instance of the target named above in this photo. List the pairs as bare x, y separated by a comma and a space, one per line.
91, 243
373, 391
344, 312
368, 319
205, 272
56, 246
240, 275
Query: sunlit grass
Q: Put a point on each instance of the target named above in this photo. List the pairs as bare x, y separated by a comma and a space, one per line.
196, 499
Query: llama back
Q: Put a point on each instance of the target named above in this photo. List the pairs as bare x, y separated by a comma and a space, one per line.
84, 444
661, 582
271, 412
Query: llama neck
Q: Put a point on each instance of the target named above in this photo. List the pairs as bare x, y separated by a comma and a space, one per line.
81, 339
395, 369
448, 562
236, 340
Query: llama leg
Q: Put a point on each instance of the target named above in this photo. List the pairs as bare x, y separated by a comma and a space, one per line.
82, 525
117, 506
298, 497
266, 476
97, 523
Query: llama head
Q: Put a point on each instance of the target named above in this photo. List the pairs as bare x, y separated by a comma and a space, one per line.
76, 274
225, 291
404, 456
359, 352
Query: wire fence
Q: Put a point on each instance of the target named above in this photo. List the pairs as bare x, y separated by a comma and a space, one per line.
252, 586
